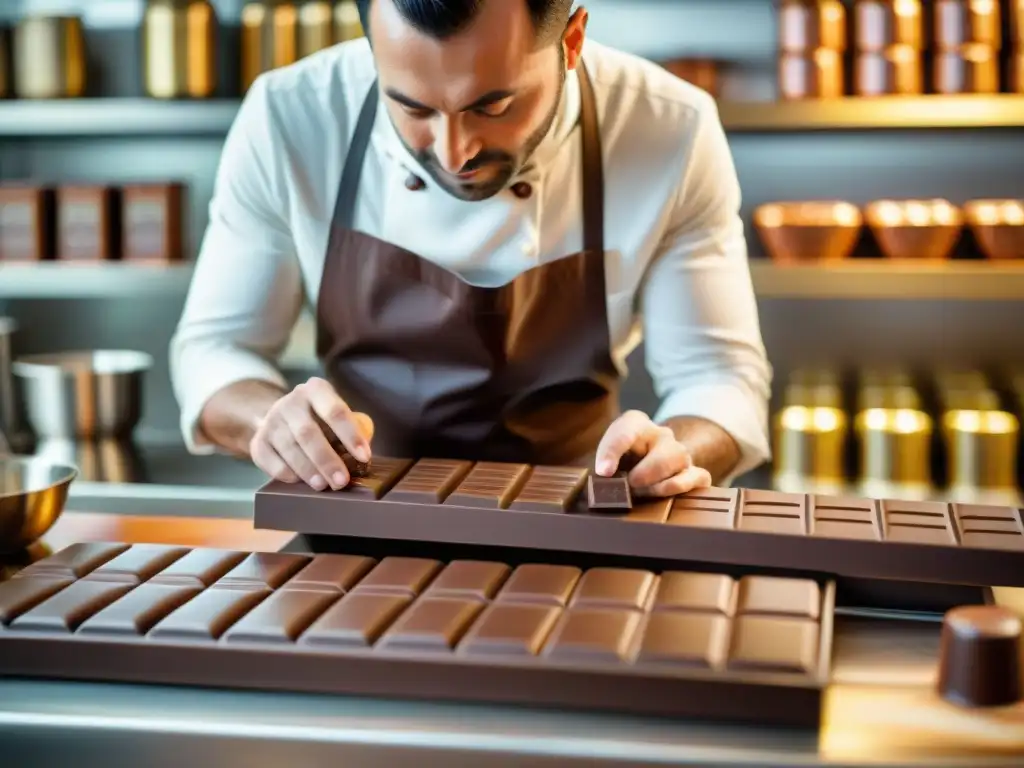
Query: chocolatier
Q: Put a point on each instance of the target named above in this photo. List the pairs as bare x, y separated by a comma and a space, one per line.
476, 236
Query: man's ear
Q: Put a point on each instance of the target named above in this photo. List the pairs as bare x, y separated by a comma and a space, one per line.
573, 37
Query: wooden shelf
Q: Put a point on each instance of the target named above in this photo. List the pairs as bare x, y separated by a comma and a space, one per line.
853, 279
151, 117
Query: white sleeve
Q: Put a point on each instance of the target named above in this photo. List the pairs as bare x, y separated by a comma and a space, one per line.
246, 291
703, 342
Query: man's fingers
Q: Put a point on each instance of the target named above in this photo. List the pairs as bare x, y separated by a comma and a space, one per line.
623, 434
336, 414
666, 459
297, 459
266, 458
691, 478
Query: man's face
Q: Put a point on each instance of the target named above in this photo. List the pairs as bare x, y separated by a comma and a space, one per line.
472, 108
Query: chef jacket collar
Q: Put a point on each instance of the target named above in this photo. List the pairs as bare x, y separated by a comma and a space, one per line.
536, 168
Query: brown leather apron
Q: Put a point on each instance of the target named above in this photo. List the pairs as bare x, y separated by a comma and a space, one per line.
521, 372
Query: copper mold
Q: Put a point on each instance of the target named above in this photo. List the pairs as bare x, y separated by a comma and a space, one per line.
915, 229
795, 232
998, 226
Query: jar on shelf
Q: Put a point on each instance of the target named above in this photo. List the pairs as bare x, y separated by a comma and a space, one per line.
49, 57
881, 24
817, 76
812, 40
891, 71
179, 49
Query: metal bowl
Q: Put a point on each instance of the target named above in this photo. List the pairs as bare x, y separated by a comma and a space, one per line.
33, 492
915, 229
998, 226
796, 232
83, 394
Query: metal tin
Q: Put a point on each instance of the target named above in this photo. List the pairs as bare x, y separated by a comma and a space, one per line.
960, 22
179, 45
810, 443
816, 76
893, 71
269, 38
880, 24
152, 220
87, 226
895, 446
972, 68
807, 25
26, 222
347, 24
49, 57
981, 448
315, 27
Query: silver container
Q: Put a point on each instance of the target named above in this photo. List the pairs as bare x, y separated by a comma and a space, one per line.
33, 492
83, 394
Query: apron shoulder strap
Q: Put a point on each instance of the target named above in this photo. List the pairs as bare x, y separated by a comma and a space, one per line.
593, 167
348, 188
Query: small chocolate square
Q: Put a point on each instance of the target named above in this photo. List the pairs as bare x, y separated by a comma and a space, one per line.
608, 492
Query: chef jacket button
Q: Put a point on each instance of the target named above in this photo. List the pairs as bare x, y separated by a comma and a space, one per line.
522, 190
414, 183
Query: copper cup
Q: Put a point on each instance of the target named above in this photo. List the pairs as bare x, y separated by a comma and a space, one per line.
806, 25
880, 24
814, 231
817, 75
914, 229
894, 71
972, 68
998, 226
961, 22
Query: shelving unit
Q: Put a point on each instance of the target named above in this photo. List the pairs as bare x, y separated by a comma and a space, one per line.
861, 279
149, 117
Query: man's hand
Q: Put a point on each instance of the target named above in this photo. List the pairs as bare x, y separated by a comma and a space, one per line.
665, 468
293, 441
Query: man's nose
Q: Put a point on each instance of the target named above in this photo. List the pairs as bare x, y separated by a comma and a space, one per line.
453, 146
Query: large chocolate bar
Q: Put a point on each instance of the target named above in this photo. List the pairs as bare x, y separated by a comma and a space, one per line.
546, 508
672, 643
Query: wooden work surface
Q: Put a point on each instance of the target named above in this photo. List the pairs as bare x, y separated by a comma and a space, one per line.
866, 722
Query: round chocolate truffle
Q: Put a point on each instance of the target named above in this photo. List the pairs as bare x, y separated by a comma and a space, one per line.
979, 657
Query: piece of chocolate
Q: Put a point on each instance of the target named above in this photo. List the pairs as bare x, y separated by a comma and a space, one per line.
355, 621
139, 610
773, 512
140, 563
776, 596
200, 567
681, 638
400, 575
490, 485
356, 469
209, 614
990, 527
263, 569
20, 595
66, 609
510, 629
431, 624
711, 592
540, 583
917, 522
613, 588
979, 656
608, 492
843, 518
76, 560
550, 489
429, 481
382, 474
774, 645
474, 579
331, 573
281, 618
709, 508
599, 635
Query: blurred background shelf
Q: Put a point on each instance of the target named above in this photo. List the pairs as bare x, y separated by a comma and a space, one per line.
152, 117
854, 279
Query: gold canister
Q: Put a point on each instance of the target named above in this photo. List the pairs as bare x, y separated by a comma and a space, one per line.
347, 24
269, 37
981, 449
49, 57
179, 49
810, 444
895, 447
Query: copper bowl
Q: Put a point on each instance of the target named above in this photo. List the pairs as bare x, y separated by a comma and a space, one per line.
998, 226
794, 232
915, 229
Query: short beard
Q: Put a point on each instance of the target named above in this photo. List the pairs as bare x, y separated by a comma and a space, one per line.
508, 165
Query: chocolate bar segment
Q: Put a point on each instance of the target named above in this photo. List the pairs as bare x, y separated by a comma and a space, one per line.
355, 621
431, 624
510, 629
711, 592
774, 645
918, 522
66, 609
687, 639
613, 588
608, 492
331, 573
381, 476
76, 560
845, 518
476, 579
200, 567
281, 618
400, 575
139, 610
550, 489
990, 527
490, 485
263, 569
648, 511
593, 636
140, 563
773, 512
20, 595
541, 583
429, 481
209, 614
708, 508
777, 596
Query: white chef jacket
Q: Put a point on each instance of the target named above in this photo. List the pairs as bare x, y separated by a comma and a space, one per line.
676, 261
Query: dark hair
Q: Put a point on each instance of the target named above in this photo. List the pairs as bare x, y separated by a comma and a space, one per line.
443, 18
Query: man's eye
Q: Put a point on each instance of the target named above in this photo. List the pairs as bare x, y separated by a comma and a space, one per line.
497, 109
419, 114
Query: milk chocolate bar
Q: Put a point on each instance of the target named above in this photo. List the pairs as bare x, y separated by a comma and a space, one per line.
545, 508
154, 222
669, 643
88, 225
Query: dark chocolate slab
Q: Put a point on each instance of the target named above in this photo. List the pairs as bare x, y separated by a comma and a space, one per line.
543, 508
539, 634
608, 492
